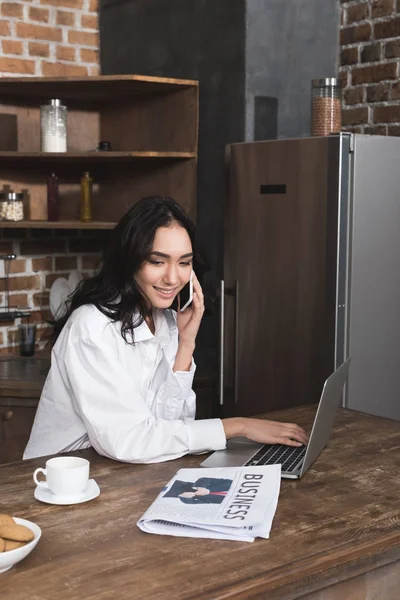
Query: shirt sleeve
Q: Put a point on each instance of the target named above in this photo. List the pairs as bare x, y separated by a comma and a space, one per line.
175, 398
117, 419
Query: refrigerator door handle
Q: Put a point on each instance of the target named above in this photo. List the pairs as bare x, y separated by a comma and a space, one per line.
221, 341
236, 358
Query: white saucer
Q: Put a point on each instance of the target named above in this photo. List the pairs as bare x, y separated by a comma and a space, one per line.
91, 491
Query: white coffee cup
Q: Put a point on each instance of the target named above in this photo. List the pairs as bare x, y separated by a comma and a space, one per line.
65, 475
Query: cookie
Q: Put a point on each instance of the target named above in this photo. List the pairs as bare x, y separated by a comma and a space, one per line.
2, 545
17, 533
6, 519
11, 545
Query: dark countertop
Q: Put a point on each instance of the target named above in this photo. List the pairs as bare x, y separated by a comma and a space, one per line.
23, 377
338, 526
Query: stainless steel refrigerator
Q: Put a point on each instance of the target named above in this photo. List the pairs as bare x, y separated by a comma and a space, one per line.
311, 273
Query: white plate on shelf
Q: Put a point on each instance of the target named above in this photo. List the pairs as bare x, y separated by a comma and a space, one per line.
74, 278
90, 492
59, 292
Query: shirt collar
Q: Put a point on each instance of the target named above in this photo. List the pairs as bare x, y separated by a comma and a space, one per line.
162, 334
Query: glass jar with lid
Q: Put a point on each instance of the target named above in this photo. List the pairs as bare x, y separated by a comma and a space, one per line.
326, 106
53, 126
11, 206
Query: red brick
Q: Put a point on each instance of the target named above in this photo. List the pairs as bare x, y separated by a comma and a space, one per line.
50, 279
11, 47
41, 299
19, 300
89, 56
18, 265
89, 22
17, 65
378, 93
11, 9
65, 263
352, 129
6, 247
64, 17
42, 247
65, 53
349, 56
94, 70
42, 264
90, 262
387, 29
39, 14
5, 28
64, 3
371, 52
351, 35
386, 114
395, 91
50, 69
354, 95
25, 282
39, 32
83, 38
392, 49
381, 8
38, 49
357, 12
355, 116
374, 73
93, 5
343, 77
375, 130
88, 245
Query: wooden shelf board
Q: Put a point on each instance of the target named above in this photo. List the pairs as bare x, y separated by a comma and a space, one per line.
56, 225
96, 156
102, 87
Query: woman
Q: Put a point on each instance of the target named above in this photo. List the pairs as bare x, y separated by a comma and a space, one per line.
122, 365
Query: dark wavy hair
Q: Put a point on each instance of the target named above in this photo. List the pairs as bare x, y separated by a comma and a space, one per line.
113, 289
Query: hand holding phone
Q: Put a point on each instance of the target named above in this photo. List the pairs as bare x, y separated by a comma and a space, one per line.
186, 294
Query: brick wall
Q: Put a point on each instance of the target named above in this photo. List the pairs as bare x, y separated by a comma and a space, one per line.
48, 38
369, 59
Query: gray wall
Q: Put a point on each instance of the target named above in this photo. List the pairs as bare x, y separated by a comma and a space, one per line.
288, 43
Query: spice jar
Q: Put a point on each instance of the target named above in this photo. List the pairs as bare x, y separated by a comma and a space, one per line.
326, 106
12, 206
53, 127
3, 206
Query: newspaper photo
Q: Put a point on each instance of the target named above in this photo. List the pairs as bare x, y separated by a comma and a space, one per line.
234, 503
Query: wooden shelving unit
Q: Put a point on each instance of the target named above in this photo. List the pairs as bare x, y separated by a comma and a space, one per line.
151, 123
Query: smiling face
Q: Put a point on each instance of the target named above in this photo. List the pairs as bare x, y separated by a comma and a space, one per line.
167, 268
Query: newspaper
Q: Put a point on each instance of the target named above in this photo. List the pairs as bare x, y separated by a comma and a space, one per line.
234, 503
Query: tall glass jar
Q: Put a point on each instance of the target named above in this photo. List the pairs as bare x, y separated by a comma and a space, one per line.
53, 127
326, 106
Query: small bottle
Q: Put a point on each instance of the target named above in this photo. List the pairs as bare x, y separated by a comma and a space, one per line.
86, 197
53, 206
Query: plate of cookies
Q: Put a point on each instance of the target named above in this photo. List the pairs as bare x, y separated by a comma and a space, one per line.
18, 537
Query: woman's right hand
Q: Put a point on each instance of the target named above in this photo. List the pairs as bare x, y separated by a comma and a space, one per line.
265, 432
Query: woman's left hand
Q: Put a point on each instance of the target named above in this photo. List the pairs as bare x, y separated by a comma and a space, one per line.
189, 320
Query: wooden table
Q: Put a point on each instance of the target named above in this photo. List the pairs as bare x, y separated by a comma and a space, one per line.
335, 536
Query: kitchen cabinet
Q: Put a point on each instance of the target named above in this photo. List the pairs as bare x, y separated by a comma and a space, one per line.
150, 122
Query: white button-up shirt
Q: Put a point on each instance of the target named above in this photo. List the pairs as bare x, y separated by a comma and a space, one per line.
123, 399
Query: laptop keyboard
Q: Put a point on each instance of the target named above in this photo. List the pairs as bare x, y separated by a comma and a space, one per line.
288, 456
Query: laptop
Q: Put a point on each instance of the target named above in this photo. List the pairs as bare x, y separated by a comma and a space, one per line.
297, 460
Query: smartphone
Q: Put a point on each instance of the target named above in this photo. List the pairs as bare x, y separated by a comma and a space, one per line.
186, 294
